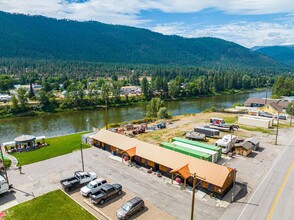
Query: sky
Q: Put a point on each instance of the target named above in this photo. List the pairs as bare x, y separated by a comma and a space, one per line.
246, 22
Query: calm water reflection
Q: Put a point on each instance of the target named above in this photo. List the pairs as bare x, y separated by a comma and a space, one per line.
71, 122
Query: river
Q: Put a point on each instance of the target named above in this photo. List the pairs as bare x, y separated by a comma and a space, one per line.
56, 124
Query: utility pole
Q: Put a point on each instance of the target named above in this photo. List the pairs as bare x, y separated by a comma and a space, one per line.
292, 106
194, 188
234, 181
276, 142
5, 171
82, 156
106, 114
193, 195
231, 143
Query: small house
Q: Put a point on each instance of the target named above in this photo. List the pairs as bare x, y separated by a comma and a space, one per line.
244, 148
254, 141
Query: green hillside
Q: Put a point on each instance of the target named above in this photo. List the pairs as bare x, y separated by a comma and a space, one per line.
37, 37
284, 54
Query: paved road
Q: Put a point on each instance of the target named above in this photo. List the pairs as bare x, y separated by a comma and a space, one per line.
44, 176
274, 197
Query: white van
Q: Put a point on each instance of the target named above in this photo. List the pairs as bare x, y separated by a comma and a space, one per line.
4, 187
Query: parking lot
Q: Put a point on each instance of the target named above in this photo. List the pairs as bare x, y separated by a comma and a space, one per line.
163, 201
109, 208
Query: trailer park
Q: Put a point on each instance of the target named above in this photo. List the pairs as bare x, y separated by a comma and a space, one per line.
228, 153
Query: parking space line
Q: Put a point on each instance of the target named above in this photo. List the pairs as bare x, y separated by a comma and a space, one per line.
30, 178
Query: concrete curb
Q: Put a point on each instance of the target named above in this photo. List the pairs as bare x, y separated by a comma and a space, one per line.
78, 203
97, 210
14, 161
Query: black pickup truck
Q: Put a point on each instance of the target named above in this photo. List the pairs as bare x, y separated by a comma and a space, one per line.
78, 179
106, 192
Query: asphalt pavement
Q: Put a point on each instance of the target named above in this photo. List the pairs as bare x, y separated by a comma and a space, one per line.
274, 196
42, 177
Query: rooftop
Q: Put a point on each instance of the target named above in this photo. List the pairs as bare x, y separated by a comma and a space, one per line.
211, 172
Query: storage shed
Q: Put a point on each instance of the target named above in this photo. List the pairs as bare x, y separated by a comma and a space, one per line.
254, 141
243, 148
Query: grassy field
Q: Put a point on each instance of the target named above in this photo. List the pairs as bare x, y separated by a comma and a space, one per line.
56, 146
262, 130
51, 206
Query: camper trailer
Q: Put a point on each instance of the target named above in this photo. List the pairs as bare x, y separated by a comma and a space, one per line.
226, 143
207, 131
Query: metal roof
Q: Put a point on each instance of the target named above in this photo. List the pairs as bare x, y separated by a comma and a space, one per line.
253, 140
245, 144
213, 173
25, 138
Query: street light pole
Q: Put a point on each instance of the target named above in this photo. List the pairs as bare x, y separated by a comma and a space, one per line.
276, 142
5, 171
82, 156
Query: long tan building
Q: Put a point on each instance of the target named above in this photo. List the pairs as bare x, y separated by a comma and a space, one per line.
214, 178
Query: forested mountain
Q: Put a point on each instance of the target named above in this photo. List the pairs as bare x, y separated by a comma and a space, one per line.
37, 37
284, 54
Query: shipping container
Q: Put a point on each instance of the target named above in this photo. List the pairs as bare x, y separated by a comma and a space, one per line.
187, 151
203, 150
200, 144
207, 131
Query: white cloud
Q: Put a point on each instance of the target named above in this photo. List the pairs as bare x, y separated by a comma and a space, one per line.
248, 34
128, 12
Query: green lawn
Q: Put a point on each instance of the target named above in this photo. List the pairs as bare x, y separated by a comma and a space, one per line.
56, 146
51, 206
7, 161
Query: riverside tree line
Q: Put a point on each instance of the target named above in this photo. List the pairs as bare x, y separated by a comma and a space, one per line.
93, 92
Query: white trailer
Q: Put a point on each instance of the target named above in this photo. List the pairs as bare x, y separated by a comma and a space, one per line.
256, 122
213, 154
271, 120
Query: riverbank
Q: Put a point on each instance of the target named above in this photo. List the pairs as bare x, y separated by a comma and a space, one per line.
140, 102
69, 122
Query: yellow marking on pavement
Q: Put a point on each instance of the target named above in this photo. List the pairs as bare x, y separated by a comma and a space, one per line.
273, 207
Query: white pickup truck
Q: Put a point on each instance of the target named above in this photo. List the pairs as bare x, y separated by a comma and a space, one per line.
4, 187
92, 187
79, 178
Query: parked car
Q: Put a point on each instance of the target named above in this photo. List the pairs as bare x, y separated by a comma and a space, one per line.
78, 179
283, 117
266, 114
105, 193
130, 208
92, 187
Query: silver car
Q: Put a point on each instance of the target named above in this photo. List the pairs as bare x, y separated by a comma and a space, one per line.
130, 208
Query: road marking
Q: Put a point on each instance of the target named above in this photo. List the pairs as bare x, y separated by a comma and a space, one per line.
273, 207
264, 179
30, 178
